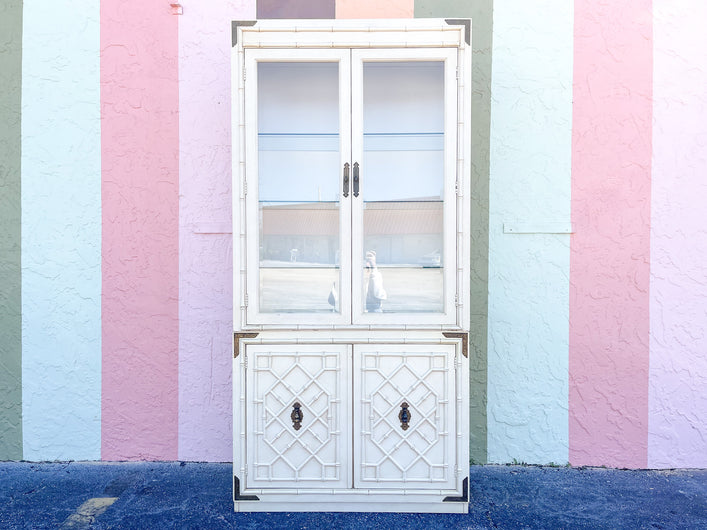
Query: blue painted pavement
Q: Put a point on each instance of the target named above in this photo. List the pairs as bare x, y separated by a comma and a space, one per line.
198, 495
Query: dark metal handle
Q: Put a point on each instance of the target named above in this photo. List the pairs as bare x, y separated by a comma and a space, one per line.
355, 178
296, 415
346, 179
404, 416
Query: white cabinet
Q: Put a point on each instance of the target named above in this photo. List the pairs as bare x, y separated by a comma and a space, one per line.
351, 258
405, 418
298, 426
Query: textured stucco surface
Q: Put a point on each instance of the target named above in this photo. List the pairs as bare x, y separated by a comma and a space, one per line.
140, 177
375, 9
61, 232
611, 172
677, 426
125, 245
481, 13
295, 8
482, 43
529, 272
10, 222
205, 253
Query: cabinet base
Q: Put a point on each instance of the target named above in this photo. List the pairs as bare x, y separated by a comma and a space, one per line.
406, 506
352, 501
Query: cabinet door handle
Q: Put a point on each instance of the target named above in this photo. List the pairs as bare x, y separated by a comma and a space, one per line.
297, 415
346, 179
404, 416
355, 179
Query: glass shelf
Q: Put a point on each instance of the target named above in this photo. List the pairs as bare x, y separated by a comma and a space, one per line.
424, 141
298, 142
403, 141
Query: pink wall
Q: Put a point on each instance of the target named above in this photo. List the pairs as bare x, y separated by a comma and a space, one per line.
375, 9
678, 371
610, 249
637, 289
205, 257
140, 200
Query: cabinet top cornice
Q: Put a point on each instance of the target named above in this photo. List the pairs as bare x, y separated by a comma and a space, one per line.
353, 33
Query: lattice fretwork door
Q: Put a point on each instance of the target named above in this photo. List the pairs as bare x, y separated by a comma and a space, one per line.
405, 422
297, 424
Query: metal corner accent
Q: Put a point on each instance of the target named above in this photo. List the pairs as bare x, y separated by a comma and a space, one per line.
466, 22
237, 339
237, 492
459, 335
234, 28
465, 493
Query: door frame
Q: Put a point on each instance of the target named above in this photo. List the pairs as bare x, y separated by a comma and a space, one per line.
351, 302
250, 219
449, 57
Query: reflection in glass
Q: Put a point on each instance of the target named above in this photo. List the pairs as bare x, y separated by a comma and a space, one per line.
373, 284
403, 184
298, 168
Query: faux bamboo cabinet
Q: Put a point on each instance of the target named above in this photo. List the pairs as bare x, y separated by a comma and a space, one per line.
351, 164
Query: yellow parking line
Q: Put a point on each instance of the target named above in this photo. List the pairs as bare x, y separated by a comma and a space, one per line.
88, 511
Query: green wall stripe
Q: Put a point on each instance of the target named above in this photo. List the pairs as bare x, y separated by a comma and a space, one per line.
481, 13
10, 272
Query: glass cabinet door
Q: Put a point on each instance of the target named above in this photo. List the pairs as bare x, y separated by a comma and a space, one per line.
404, 156
350, 171
298, 140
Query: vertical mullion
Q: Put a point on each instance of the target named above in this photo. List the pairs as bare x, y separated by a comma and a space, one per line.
346, 203
356, 202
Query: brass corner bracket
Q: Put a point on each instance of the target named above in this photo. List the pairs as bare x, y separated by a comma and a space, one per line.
237, 339
459, 335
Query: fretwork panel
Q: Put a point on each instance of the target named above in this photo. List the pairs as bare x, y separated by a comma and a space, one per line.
303, 446
393, 452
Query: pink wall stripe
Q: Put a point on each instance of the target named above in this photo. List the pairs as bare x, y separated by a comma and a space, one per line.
678, 374
205, 257
610, 250
140, 134
375, 9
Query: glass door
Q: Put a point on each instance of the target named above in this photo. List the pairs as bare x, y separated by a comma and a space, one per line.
350, 177
298, 226
404, 163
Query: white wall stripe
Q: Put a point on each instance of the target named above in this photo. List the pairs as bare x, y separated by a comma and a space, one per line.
531, 127
677, 404
61, 231
205, 271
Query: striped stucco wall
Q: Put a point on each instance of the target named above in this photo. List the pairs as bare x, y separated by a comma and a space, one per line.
61, 232
611, 246
589, 269
529, 205
205, 252
677, 377
140, 202
10, 230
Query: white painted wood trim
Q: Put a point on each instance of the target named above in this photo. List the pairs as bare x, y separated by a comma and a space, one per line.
449, 316
449, 439
342, 33
399, 504
253, 314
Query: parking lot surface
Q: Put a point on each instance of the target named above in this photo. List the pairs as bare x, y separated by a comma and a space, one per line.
198, 495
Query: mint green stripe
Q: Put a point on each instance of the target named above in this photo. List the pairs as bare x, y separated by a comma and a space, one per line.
10, 218
481, 13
